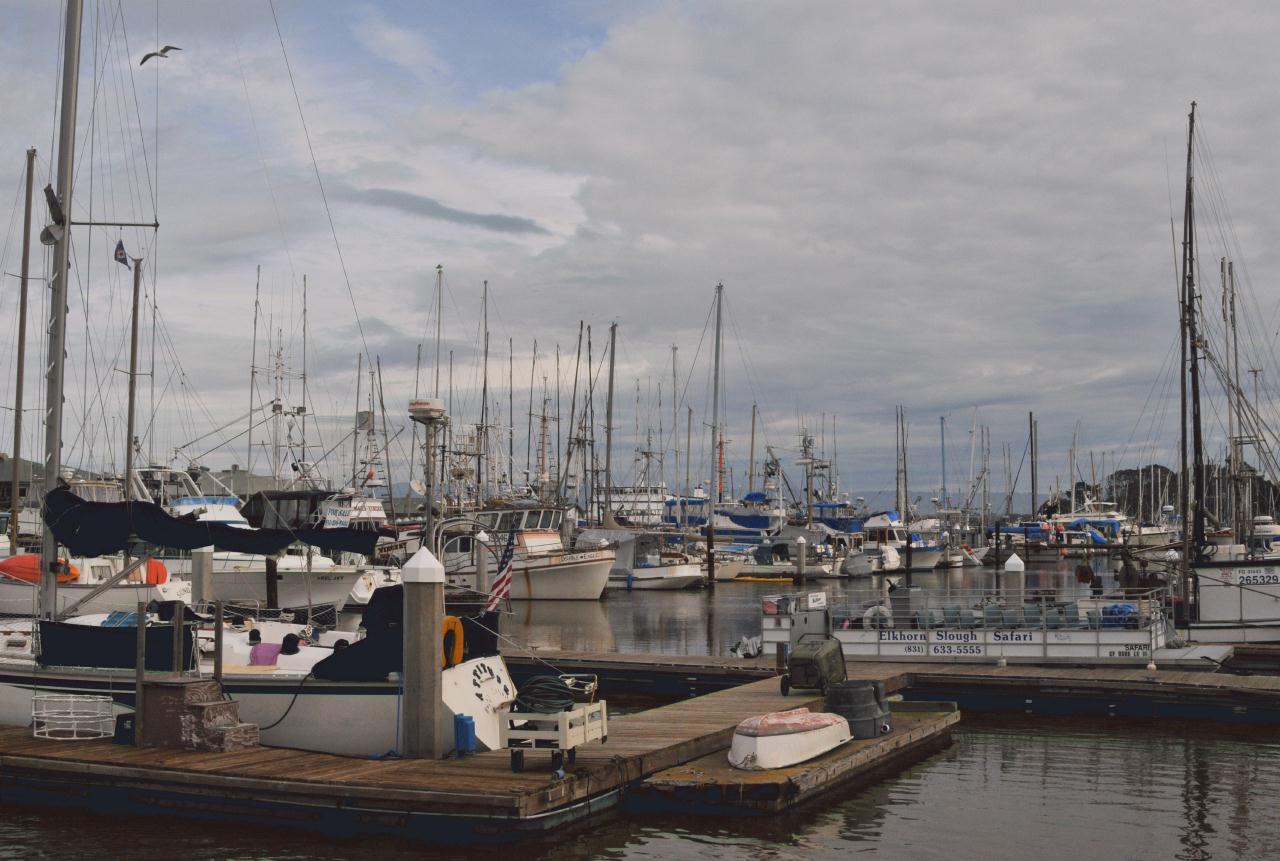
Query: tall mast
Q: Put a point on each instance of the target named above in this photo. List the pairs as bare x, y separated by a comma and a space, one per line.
1243, 521
675, 416
253, 376
942, 423
751, 457
482, 476
355, 430
1032, 443
716, 441
133, 381
57, 332
439, 324
511, 413
1195, 541
14, 506
528, 436
607, 518
306, 468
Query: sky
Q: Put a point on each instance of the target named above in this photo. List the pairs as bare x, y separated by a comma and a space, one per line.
971, 210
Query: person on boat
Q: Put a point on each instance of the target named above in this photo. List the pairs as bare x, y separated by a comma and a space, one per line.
290, 644
262, 654
339, 645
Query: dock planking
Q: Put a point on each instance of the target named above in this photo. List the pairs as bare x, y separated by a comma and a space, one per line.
710, 785
475, 795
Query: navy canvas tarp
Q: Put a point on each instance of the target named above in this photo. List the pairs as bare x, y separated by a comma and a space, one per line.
100, 528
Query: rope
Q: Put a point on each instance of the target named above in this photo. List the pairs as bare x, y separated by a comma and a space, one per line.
544, 694
280, 719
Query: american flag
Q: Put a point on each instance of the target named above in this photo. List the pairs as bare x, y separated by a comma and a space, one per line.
502, 585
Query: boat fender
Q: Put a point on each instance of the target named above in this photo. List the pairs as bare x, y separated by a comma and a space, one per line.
877, 617
631, 579
451, 655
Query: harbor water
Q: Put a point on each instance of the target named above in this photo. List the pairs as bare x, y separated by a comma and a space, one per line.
1010, 786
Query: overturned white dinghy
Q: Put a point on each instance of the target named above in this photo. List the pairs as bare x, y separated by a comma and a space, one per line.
780, 739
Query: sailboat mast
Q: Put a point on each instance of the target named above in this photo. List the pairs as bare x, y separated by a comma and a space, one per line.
751, 456
20, 360
482, 476
1193, 354
607, 516
716, 441
675, 416
57, 332
942, 424
306, 468
133, 381
439, 316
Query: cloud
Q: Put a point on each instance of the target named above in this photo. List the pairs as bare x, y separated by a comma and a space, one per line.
936, 206
427, 207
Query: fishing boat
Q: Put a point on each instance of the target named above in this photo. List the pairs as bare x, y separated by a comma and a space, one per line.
780, 739
542, 567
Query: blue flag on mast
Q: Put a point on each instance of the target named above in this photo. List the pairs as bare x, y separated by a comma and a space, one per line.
121, 257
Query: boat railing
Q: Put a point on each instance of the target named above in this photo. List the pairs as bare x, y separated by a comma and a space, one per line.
1117, 609
1120, 624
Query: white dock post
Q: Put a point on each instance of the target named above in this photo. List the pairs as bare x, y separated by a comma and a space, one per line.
424, 731
201, 576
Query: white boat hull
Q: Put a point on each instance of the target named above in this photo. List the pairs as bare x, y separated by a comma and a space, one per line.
679, 576
578, 576
347, 718
18, 598
729, 570
761, 753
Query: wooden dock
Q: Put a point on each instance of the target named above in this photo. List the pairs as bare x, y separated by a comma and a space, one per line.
709, 785
1053, 689
454, 800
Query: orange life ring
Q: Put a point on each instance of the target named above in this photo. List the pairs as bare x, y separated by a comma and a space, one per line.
451, 651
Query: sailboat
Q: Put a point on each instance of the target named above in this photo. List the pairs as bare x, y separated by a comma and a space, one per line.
1233, 596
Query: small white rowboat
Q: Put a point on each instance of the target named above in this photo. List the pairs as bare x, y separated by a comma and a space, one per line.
780, 739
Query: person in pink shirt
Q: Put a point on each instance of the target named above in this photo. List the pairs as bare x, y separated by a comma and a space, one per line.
262, 654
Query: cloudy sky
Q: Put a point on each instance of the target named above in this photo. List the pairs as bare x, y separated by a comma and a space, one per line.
953, 207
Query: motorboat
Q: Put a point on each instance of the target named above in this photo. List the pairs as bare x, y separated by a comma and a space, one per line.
780, 739
645, 560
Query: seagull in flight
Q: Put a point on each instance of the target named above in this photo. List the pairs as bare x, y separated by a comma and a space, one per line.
162, 53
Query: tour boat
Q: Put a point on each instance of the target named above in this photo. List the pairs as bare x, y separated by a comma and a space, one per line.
780, 739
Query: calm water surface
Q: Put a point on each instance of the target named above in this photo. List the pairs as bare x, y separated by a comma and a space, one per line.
1010, 786
1048, 789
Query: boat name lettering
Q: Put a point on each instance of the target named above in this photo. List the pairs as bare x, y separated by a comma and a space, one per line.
903, 636
956, 636
1012, 636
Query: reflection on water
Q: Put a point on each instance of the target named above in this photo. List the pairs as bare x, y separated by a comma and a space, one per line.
1010, 787
710, 621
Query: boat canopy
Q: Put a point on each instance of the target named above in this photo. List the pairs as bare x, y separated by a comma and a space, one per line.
101, 528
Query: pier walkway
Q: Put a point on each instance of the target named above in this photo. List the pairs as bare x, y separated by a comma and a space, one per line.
1053, 689
474, 798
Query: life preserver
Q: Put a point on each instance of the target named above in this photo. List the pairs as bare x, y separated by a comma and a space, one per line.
877, 617
451, 633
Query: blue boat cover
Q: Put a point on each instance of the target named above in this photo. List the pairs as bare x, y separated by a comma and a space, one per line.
99, 528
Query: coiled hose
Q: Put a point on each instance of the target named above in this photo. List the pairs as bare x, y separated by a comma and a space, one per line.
544, 694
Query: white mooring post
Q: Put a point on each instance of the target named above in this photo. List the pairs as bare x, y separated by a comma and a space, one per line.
201, 576
424, 730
